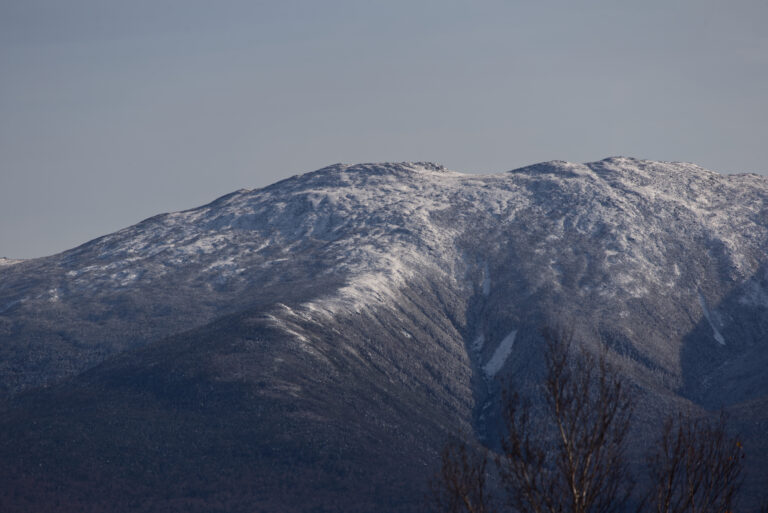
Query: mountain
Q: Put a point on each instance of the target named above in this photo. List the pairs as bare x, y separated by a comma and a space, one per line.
310, 346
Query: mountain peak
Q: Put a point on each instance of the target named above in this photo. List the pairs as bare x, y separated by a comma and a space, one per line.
357, 313
387, 167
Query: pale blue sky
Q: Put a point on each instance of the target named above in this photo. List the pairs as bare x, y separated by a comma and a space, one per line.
112, 111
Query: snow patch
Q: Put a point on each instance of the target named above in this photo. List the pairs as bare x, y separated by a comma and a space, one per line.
708, 315
501, 354
486, 280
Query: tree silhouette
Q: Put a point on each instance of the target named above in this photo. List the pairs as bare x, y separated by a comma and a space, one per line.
461, 484
583, 469
695, 467
569, 455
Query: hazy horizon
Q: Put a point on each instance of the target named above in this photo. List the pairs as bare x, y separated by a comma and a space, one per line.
112, 112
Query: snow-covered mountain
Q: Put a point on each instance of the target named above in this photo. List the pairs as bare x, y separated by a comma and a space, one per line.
388, 301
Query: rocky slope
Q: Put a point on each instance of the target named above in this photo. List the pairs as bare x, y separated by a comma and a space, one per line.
326, 333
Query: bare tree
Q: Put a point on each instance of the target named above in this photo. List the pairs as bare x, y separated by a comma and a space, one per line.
695, 468
460, 487
567, 454
584, 468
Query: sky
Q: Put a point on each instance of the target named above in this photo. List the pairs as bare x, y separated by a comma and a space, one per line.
114, 111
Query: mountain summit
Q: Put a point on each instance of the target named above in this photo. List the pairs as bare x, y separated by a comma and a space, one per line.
314, 342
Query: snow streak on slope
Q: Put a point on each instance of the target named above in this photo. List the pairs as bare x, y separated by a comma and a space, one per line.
707, 315
501, 354
486, 280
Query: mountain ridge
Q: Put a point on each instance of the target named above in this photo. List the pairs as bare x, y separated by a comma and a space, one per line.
385, 302
317, 209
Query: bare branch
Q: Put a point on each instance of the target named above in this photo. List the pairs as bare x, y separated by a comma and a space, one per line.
696, 467
566, 455
585, 471
460, 486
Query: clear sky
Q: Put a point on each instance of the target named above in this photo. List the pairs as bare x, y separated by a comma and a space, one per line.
112, 111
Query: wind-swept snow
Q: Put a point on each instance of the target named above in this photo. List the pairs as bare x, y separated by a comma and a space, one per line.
380, 226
